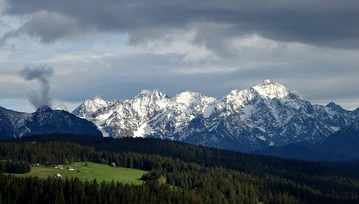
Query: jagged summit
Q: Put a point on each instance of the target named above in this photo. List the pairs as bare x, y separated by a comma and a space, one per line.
152, 94
44, 108
97, 99
90, 106
271, 89
188, 96
266, 89
149, 92
43, 121
241, 97
264, 115
333, 105
267, 81
96, 102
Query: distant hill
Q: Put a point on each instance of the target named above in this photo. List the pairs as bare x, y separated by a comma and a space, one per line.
44, 121
343, 145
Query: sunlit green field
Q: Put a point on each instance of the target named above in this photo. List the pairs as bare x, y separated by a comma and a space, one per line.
92, 171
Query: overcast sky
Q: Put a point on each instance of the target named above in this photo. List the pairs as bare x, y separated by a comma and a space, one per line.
115, 49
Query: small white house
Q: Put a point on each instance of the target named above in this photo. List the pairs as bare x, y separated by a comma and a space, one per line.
58, 176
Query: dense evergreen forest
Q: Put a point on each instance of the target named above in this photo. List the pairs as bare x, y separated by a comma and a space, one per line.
177, 173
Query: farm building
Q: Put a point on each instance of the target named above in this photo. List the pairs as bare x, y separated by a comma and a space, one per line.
58, 166
70, 168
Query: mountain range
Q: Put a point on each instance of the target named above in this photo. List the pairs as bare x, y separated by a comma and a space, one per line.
15, 124
268, 114
342, 145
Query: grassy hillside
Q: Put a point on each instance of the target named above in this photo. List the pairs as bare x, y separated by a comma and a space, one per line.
92, 171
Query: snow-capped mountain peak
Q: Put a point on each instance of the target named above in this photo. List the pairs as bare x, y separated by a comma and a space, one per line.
95, 103
188, 97
269, 89
147, 99
90, 106
241, 97
264, 115
155, 94
97, 100
190, 102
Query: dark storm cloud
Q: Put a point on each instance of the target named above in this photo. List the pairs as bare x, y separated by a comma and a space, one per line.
329, 23
42, 74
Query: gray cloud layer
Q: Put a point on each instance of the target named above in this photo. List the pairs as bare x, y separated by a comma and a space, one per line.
321, 72
126, 76
40, 73
329, 23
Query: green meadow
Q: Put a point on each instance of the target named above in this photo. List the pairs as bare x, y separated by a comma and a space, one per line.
89, 172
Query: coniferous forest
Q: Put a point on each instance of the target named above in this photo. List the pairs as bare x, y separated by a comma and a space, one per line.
176, 173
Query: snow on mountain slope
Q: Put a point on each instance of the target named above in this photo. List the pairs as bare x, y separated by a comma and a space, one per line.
244, 120
180, 110
43, 121
91, 106
13, 124
17, 119
271, 89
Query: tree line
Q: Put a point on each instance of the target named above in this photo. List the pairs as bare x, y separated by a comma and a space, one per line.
196, 174
16, 167
63, 191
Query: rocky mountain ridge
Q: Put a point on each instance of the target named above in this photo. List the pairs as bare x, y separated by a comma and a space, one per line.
15, 124
244, 120
342, 145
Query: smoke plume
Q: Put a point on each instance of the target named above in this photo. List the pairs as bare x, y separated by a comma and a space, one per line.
40, 73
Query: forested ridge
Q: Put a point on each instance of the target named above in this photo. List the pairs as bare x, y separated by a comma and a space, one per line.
177, 173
